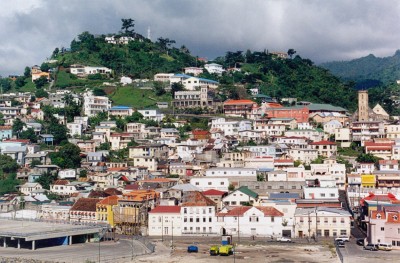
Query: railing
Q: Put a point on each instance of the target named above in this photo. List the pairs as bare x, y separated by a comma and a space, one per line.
150, 246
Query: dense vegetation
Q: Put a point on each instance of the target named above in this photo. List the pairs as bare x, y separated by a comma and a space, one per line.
367, 71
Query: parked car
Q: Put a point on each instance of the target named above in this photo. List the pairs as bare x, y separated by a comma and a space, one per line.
360, 241
385, 247
225, 250
340, 243
284, 239
371, 247
214, 250
344, 238
192, 249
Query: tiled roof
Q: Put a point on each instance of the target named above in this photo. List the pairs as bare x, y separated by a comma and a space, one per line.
214, 192
388, 162
240, 210
5, 128
393, 218
166, 209
233, 102
85, 204
97, 194
110, 200
112, 191
61, 182
196, 199
376, 214
269, 211
323, 143
200, 132
283, 161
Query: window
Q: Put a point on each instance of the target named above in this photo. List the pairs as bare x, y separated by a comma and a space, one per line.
209, 183
293, 187
204, 219
326, 220
184, 219
272, 219
382, 229
197, 219
210, 219
222, 183
233, 202
185, 210
210, 210
343, 232
322, 195
332, 195
281, 187
191, 220
342, 220
301, 219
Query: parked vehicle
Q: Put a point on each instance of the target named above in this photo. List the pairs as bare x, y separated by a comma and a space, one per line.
340, 243
385, 247
371, 247
360, 241
225, 250
192, 249
344, 238
214, 251
284, 239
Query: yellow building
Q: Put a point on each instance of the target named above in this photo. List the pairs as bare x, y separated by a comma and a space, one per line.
368, 180
104, 210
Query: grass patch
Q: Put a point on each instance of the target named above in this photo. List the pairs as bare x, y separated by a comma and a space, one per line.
65, 79
137, 98
28, 87
348, 152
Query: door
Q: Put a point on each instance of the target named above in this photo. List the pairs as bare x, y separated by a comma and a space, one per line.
300, 233
326, 233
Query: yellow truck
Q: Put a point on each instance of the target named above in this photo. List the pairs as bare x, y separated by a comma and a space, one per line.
226, 250
214, 251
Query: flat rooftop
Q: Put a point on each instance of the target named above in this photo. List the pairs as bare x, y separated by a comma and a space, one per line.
32, 230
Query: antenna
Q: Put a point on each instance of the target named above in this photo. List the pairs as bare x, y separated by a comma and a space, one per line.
148, 33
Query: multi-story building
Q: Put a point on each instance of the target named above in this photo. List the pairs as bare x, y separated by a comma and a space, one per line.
193, 99
363, 131
325, 148
152, 114
120, 111
241, 108
93, 105
165, 221
214, 68
322, 222
198, 215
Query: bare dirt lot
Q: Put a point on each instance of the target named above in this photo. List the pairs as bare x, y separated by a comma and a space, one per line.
244, 253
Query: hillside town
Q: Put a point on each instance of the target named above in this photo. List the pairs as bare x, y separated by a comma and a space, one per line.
256, 168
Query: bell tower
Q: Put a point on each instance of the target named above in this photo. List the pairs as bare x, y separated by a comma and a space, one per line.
363, 105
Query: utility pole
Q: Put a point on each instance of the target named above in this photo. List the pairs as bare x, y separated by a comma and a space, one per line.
162, 228
172, 237
316, 224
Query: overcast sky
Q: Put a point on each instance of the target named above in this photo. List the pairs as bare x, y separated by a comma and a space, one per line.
319, 30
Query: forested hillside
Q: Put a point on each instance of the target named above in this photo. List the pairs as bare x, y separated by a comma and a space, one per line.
367, 71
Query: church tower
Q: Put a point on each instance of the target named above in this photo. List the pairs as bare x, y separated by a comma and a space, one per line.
363, 105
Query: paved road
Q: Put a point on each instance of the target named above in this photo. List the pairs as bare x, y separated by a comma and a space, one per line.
354, 253
110, 251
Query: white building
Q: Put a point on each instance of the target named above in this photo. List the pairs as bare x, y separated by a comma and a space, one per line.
93, 105
322, 221
74, 128
198, 215
87, 70
163, 77
251, 221
193, 83
67, 174
230, 128
165, 221
303, 155
152, 114
321, 193
193, 70
207, 183
214, 68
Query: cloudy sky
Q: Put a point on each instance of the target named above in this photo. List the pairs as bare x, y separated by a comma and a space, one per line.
319, 30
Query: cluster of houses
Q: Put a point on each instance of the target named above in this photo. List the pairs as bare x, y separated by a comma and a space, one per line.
260, 170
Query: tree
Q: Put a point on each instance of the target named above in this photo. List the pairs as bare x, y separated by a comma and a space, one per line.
367, 158
17, 126
67, 157
7, 164
2, 121
291, 52
55, 52
40, 93
158, 88
128, 26
58, 131
5, 84
165, 43
20, 82
27, 72
29, 134
45, 67
231, 187
46, 179
99, 92
40, 82
177, 86
8, 184
135, 117
35, 162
